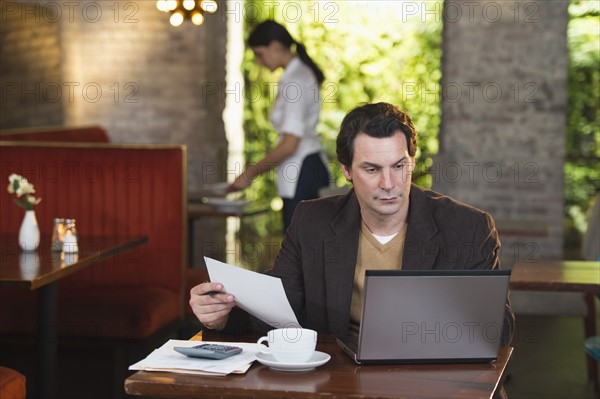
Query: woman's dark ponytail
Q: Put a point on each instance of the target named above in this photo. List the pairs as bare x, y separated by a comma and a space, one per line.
303, 55
267, 31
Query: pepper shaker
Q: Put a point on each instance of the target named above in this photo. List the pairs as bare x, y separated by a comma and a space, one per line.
58, 234
70, 239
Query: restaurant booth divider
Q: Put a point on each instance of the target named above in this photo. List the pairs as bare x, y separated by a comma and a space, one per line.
111, 190
60, 134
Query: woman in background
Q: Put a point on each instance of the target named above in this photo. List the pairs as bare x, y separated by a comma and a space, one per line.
298, 158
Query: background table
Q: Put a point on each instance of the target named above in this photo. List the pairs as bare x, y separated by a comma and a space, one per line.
42, 270
198, 209
340, 378
564, 276
554, 275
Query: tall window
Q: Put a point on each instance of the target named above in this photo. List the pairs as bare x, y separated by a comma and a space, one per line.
369, 51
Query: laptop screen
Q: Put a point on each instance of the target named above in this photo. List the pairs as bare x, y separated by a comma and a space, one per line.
427, 316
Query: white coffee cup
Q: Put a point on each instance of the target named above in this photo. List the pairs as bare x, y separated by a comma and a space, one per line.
289, 345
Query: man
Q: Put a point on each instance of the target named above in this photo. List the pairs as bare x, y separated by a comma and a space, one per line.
385, 222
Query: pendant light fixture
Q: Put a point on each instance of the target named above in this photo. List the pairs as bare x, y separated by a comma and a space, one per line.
180, 10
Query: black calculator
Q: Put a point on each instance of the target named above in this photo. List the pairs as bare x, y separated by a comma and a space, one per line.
209, 351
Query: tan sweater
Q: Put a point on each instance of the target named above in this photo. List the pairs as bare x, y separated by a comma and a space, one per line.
373, 255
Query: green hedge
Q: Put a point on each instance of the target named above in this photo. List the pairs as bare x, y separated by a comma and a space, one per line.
582, 165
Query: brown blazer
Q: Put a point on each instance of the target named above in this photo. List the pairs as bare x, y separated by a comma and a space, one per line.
317, 258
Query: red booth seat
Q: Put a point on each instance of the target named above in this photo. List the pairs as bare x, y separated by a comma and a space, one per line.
12, 384
109, 189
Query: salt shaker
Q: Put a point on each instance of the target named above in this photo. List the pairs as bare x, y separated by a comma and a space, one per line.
70, 239
58, 234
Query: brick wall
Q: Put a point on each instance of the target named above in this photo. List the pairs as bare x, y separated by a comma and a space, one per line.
30, 67
504, 101
119, 64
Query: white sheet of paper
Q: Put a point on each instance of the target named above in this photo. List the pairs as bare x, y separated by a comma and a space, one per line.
167, 359
258, 294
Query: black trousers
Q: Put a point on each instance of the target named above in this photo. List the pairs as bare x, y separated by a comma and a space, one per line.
313, 176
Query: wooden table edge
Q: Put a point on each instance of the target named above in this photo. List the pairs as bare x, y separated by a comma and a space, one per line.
116, 248
137, 384
58, 274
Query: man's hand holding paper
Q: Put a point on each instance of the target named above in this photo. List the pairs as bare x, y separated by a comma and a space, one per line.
211, 305
258, 294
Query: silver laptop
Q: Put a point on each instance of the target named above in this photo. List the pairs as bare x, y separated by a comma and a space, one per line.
430, 316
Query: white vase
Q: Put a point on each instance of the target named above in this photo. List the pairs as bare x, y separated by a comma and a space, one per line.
29, 233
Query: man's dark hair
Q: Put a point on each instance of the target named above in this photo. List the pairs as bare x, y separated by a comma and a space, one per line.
376, 120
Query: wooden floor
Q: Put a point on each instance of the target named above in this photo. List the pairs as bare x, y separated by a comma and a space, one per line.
548, 362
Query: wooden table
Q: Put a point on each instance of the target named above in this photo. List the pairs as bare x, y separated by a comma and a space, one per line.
564, 276
42, 270
553, 275
197, 209
339, 378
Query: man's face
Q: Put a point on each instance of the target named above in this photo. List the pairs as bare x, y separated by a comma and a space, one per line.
381, 173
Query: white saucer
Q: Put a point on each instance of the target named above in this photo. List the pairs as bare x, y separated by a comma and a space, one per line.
316, 360
226, 205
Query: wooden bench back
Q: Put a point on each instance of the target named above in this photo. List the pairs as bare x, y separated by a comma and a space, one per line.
80, 134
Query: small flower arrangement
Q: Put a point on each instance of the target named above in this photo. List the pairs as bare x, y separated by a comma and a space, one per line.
22, 188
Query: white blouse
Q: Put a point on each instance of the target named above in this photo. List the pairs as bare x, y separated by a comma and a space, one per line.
296, 111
